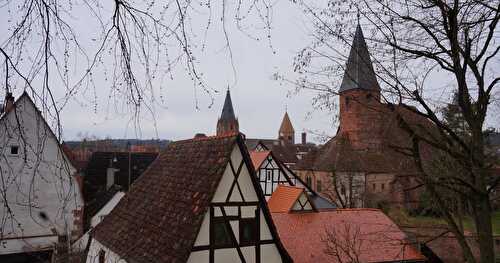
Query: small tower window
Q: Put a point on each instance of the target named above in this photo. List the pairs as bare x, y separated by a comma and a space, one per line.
14, 150
309, 181
269, 175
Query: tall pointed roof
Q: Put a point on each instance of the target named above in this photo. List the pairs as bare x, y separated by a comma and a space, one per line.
359, 73
227, 110
286, 125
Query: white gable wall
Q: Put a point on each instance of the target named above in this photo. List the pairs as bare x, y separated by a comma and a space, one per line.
110, 257
269, 252
39, 179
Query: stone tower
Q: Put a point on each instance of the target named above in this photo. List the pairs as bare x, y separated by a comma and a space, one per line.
227, 123
286, 133
360, 97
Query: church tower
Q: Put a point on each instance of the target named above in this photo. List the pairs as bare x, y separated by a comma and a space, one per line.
359, 96
286, 132
227, 123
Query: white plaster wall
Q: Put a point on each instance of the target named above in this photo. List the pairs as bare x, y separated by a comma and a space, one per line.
198, 256
37, 180
227, 179
269, 253
93, 255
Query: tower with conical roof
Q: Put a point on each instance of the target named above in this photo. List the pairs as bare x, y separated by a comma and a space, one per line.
359, 96
286, 133
227, 123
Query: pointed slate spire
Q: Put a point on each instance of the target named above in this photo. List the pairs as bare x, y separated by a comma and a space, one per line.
227, 123
227, 110
359, 73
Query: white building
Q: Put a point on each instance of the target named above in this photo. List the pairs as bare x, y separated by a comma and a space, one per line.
199, 201
40, 197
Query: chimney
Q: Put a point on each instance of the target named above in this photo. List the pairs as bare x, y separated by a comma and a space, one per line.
9, 102
110, 173
304, 138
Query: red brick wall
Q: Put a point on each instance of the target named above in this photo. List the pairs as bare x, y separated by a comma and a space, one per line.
360, 117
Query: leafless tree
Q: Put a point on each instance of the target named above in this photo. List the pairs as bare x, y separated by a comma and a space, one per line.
344, 243
59, 51
422, 50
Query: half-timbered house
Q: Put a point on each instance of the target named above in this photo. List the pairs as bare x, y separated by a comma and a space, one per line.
271, 173
199, 201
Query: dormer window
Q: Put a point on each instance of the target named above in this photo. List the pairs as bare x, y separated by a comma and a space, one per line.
14, 150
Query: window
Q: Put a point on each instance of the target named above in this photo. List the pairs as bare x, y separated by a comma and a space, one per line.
318, 185
14, 150
382, 186
374, 186
248, 231
342, 189
269, 175
102, 256
221, 233
308, 181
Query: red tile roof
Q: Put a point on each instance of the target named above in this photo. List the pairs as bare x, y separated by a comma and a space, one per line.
258, 158
283, 198
375, 237
159, 218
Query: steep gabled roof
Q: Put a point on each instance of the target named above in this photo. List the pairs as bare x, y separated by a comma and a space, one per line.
286, 125
227, 110
62, 149
160, 217
359, 73
258, 157
284, 198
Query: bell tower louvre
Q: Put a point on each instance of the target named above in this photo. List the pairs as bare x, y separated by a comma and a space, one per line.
227, 123
359, 97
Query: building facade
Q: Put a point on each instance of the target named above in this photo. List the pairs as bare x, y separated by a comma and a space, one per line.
361, 164
42, 203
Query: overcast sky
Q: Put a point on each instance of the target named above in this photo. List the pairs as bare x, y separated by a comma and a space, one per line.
259, 100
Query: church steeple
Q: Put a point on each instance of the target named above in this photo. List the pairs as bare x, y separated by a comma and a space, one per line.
286, 132
359, 73
227, 123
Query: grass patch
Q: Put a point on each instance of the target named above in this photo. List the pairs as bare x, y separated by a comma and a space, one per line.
495, 218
